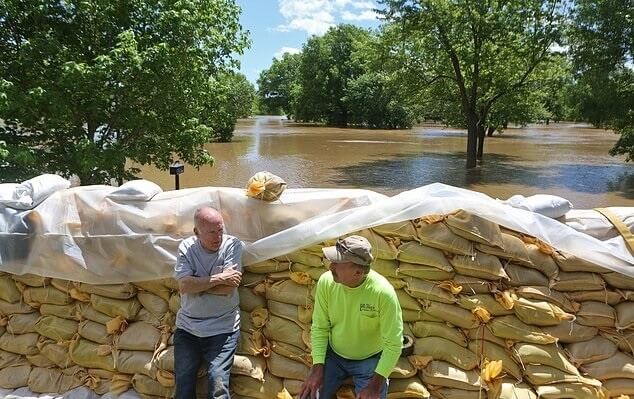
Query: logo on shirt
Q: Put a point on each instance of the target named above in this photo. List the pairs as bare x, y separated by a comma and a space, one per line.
367, 307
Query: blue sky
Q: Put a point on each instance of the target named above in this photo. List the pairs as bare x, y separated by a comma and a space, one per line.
278, 26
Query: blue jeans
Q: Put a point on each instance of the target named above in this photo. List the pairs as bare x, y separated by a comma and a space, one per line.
337, 369
217, 353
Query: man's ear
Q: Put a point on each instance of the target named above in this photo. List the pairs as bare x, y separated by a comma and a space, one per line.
196, 231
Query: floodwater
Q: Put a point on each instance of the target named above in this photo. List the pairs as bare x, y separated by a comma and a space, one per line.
569, 160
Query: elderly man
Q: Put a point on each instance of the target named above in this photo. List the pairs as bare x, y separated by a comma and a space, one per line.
357, 328
208, 270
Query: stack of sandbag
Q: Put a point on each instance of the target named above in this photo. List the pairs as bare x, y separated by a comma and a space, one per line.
494, 313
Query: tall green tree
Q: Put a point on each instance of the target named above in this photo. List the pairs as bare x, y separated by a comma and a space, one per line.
275, 84
476, 51
602, 47
87, 86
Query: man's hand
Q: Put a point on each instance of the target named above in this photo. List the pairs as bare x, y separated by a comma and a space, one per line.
230, 276
313, 382
373, 389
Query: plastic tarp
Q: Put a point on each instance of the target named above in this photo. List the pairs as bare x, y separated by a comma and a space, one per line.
80, 234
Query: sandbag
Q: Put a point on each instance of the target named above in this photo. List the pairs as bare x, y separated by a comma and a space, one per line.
87, 354
94, 331
578, 281
451, 314
126, 308
410, 388
547, 355
286, 368
541, 261
249, 300
594, 350
472, 285
522, 276
545, 375
568, 391
475, 228
10, 358
40, 360
404, 230
87, 312
136, 362
382, 247
422, 289
624, 315
442, 330
23, 344
139, 336
491, 352
288, 291
16, 376
147, 386
480, 265
402, 369
64, 311
279, 329
57, 353
540, 313
618, 366
8, 290
7, 308
165, 359
485, 301
153, 303
444, 374
596, 314
292, 352
548, 295
413, 252
446, 350
54, 380
423, 272
438, 235
619, 386
569, 331
251, 366
571, 263
56, 328
510, 327
250, 387
158, 288
605, 296
512, 248
22, 323
32, 280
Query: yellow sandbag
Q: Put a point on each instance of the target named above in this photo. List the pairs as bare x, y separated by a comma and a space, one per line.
578, 281
175, 303
485, 301
44, 380
412, 316
619, 386
618, 366
545, 375
165, 359
567, 332
422, 289
568, 391
541, 261
250, 387
8, 290
292, 352
481, 265
571, 263
547, 355
624, 340
522, 276
40, 360
445, 375
146, 317
16, 376
284, 310
605, 296
313, 272
596, 314
166, 378
57, 353
22, 323
139, 336
283, 367
510, 327
483, 333
413, 252
382, 247
423, 272
305, 314
268, 266
87, 312
442, 330
136, 362
472, 285
514, 390
252, 366
304, 258
402, 369
404, 230
410, 388
7, 308
540, 313
23, 344
406, 301
514, 249
446, 350
116, 291
279, 329
56, 328
158, 287
624, 315
451, 314
454, 393
618, 280
126, 308
32, 280
147, 386
64, 311
594, 350
548, 295
46, 295
87, 354
259, 317
10, 358
493, 352
288, 291
475, 228
153, 303
438, 235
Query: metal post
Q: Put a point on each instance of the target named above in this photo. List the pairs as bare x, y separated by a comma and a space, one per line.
176, 169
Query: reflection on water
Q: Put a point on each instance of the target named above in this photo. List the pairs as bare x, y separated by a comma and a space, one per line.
567, 160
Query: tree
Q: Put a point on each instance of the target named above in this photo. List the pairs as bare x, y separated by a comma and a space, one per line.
602, 48
474, 51
86, 87
275, 85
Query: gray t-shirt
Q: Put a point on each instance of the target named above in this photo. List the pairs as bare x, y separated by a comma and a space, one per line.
203, 314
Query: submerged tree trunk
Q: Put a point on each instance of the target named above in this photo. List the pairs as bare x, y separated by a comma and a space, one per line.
481, 136
490, 131
472, 142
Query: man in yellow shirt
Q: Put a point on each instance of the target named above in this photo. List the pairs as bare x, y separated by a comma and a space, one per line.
357, 328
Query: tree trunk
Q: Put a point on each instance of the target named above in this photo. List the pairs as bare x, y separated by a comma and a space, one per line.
491, 131
472, 143
481, 136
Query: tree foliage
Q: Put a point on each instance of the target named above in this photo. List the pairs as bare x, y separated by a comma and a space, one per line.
602, 46
473, 53
275, 84
87, 86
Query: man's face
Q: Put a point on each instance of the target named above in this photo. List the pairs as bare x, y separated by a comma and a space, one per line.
210, 234
346, 273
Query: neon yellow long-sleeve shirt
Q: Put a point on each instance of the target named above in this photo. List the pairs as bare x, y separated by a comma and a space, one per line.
357, 322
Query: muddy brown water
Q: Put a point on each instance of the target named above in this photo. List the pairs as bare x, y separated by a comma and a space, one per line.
565, 159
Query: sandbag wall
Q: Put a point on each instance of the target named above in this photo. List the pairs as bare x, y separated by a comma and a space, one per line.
494, 313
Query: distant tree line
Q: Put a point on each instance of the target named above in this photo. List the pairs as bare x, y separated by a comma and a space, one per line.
476, 64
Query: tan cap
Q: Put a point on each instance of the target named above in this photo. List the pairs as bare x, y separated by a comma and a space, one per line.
355, 249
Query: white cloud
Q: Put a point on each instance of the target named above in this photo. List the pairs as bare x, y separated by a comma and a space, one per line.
366, 15
284, 50
316, 16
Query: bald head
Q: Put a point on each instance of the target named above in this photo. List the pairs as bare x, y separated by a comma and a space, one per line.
209, 228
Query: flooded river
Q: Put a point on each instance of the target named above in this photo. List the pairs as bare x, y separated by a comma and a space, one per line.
568, 160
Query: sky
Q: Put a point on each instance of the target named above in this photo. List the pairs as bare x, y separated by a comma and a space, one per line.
279, 26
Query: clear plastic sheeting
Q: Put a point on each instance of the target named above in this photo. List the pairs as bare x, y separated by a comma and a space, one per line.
595, 224
82, 235
77, 393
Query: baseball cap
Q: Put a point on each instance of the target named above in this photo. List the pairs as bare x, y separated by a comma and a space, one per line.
355, 249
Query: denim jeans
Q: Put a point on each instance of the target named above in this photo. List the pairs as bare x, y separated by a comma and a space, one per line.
217, 354
337, 369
